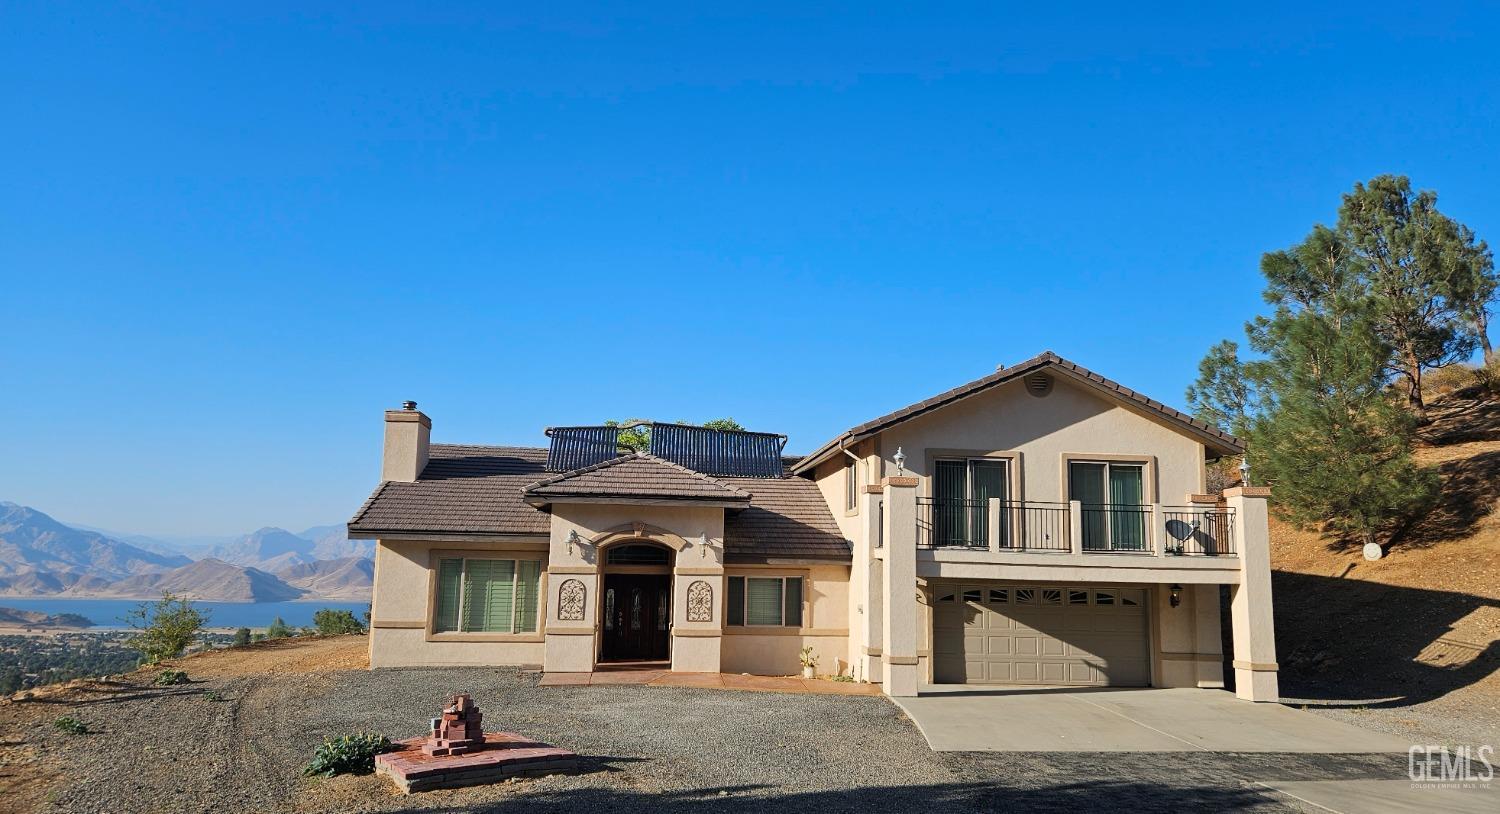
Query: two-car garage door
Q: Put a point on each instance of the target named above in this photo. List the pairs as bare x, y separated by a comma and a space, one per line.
991, 633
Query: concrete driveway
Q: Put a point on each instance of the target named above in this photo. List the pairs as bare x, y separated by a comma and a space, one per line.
1056, 719
1205, 723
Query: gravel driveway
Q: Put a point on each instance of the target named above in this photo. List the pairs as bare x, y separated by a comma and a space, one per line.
645, 748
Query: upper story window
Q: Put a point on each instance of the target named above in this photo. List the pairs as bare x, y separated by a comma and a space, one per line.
851, 486
961, 490
1112, 495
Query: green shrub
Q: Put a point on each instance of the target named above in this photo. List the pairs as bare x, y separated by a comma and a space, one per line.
241, 636
70, 725
164, 628
330, 622
279, 629
843, 679
350, 754
168, 678
213, 696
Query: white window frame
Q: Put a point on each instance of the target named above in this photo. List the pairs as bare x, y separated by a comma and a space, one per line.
515, 581
745, 599
851, 487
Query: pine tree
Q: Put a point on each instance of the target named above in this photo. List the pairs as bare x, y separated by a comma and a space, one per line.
1428, 280
1332, 439
1315, 405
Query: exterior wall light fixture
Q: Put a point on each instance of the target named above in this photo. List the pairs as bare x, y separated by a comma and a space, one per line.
900, 459
573, 541
1175, 597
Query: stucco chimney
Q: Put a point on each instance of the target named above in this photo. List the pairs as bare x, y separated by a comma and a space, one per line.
407, 432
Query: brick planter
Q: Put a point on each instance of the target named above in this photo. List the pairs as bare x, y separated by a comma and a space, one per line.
502, 755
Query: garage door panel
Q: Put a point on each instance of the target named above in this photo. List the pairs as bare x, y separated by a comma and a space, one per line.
1048, 635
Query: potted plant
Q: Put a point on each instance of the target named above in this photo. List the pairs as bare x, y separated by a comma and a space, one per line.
809, 662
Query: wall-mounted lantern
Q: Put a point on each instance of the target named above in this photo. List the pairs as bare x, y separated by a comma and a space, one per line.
1245, 470
1175, 597
573, 541
900, 459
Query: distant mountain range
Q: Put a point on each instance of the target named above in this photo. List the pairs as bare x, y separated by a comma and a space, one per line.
40, 556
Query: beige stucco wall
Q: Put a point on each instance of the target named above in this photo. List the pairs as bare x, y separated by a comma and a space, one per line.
1187, 645
401, 613
825, 625
1069, 420
696, 535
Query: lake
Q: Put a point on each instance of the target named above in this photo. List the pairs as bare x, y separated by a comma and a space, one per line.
110, 612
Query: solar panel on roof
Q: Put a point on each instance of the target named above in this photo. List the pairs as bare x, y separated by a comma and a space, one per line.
729, 453
578, 447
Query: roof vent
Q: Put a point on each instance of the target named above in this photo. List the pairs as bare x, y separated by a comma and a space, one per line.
1039, 384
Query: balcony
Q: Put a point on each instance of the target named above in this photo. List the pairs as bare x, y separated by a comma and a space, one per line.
1027, 527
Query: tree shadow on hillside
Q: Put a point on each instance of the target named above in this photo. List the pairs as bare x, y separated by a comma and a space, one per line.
1349, 640
1464, 416
1471, 487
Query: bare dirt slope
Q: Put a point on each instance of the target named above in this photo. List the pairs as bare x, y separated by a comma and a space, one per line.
1410, 643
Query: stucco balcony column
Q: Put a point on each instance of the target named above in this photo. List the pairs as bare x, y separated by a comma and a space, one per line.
899, 586
866, 590
1250, 601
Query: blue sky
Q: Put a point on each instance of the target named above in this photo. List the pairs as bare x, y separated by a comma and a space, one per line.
230, 237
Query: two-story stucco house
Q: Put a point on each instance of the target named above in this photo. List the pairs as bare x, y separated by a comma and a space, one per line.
1040, 525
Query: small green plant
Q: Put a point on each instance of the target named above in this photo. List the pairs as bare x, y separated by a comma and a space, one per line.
70, 725
842, 679
241, 637
169, 678
279, 629
350, 754
213, 696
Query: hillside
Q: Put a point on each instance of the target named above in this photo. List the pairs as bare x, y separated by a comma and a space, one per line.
272, 549
350, 578
12, 617
207, 579
31, 542
1423, 623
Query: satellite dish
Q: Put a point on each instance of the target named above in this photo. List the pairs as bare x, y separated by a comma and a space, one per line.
1180, 530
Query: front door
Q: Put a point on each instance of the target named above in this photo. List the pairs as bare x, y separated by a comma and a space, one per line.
637, 617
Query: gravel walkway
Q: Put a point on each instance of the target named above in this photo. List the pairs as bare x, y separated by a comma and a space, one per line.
645, 749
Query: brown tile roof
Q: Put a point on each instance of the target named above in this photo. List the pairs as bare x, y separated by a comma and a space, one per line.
640, 475
1214, 437
464, 490
479, 490
787, 517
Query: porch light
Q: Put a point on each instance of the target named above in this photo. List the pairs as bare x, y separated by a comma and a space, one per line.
1245, 470
1175, 597
572, 541
900, 459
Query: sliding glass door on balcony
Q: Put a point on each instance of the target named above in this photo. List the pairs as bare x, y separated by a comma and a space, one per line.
1113, 502
961, 491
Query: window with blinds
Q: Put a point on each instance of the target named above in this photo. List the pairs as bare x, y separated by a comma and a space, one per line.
765, 602
487, 595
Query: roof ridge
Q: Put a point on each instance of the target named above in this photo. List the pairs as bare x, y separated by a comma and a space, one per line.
634, 456
1044, 359
695, 473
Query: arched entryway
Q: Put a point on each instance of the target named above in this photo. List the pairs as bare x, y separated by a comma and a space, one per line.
635, 610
